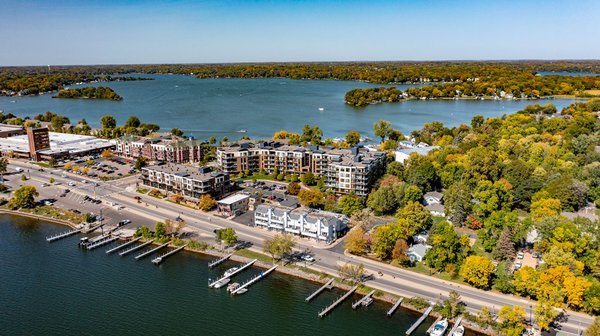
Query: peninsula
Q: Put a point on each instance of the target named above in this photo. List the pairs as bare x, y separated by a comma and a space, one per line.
99, 92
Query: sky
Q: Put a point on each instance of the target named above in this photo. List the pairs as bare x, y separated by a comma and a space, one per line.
69, 32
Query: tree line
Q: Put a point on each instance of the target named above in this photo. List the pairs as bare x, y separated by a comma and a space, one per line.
90, 92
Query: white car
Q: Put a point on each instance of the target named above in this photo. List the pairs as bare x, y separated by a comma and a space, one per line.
71, 184
83, 181
308, 257
520, 255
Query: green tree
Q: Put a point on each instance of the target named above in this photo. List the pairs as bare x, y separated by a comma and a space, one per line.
594, 328
212, 140
24, 197
108, 122
133, 121
52, 162
311, 135
311, 198
353, 138
477, 271
395, 168
355, 241
351, 203
544, 314
420, 171
176, 132
140, 163
383, 200
206, 203
503, 279
384, 238
3, 165
308, 179
452, 306
280, 245
227, 235
511, 320
448, 247
505, 249
352, 272
457, 203
160, 230
293, 188
382, 128
412, 193
414, 217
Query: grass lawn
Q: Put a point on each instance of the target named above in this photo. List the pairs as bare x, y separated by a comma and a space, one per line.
42, 164
254, 255
258, 177
142, 190
56, 213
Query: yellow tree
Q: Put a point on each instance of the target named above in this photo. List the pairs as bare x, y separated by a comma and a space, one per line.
574, 288
68, 165
549, 207
544, 314
477, 271
550, 284
511, 320
356, 242
107, 153
525, 280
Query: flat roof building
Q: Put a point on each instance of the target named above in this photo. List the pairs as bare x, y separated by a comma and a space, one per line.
159, 149
188, 181
10, 130
233, 205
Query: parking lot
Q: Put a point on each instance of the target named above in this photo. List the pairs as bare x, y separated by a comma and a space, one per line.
98, 167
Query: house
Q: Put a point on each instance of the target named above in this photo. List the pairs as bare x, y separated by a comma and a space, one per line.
421, 238
416, 253
436, 209
404, 153
233, 205
433, 197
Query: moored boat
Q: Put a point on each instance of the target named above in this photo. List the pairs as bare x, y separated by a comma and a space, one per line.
230, 271
460, 331
440, 328
367, 302
233, 287
221, 283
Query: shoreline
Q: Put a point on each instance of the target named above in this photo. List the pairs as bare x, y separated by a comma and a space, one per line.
298, 273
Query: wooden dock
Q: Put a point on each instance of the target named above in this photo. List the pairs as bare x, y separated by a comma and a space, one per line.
363, 299
419, 321
337, 302
212, 283
107, 240
62, 235
149, 252
135, 248
456, 325
160, 259
394, 307
327, 285
219, 261
253, 280
122, 246
433, 325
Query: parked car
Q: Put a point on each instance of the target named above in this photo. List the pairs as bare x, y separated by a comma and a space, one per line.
71, 184
124, 222
520, 255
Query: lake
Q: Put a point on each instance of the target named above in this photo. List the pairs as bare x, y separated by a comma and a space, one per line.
58, 289
220, 107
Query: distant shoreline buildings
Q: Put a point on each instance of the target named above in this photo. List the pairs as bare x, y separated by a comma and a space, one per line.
159, 149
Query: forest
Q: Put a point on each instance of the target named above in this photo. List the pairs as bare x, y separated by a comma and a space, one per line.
90, 92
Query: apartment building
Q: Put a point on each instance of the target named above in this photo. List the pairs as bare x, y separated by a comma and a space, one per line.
189, 182
346, 170
316, 224
159, 149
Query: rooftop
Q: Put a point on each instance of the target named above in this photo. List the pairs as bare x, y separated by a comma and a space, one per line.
59, 143
7, 127
194, 173
233, 199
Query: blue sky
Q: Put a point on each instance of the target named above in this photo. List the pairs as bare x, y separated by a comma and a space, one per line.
117, 32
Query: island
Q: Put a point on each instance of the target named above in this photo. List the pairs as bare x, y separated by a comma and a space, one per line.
100, 92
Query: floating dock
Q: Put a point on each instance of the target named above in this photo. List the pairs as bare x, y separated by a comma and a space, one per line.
143, 254
433, 325
253, 280
160, 259
114, 249
419, 321
101, 242
62, 235
337, 302
219, 261
456, 325
211, 284
327, 285
135, 248
363, 299
394, 307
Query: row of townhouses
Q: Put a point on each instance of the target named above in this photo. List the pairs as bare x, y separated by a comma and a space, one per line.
159, 149
320, 225
346, 170
189, 182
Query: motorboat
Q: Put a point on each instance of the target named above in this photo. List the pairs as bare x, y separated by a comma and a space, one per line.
233, 287
321, 109
221, 283
230, 271
460, 331
242, 291
440, 328
367, 302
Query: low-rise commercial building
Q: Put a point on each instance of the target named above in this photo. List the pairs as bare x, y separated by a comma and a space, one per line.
345, 170
159, 149
233, 205
39, 144
319, 225
7, 131
189, 182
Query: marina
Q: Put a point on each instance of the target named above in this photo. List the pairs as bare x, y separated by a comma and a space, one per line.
394, 307
101, 242
364, 301
337, 302
149, 252
62, 235
243, 288
160, 259
124, 245
457, 328
219, 261
230, 274
419, 321
135, 248
327, 285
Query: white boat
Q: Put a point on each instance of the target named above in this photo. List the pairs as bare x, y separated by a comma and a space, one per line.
367, 302
321, 109
242, 291
221, 283
440, 328
460, 331
230, 271
233, 287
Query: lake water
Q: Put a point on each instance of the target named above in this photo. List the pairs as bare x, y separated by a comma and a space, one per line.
58, 289
220, 107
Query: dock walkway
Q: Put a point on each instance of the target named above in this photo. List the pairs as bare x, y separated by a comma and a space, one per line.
211, 284
101, 242
219, 261
419, 321
253, 280
363, 299
327, 285
456, 325
160, 259
122, 246
135, 248
62, 235
394, 307
337, 302
143, 254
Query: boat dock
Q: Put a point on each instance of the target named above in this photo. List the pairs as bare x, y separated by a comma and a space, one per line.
143, 254
253, 280
62, 235
433, 325
419, 321
219, 261
92, 228
135, 248
233, 273
363, 299
337, 302
327, 285
456, 325
114, 249
160, 259
101, 242
394, 307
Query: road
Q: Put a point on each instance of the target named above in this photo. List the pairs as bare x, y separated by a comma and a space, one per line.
328, 258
